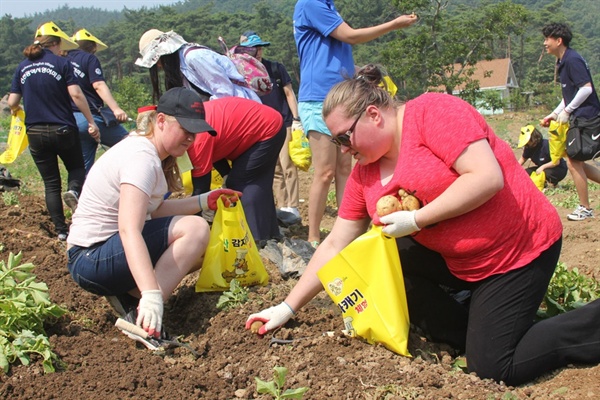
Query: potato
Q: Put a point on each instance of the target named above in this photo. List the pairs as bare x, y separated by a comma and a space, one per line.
409, 202
255, 326
387, 205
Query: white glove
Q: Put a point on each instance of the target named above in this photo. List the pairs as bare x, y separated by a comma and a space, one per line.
563, 117
274, 317
150, 312
399, 223
297, 125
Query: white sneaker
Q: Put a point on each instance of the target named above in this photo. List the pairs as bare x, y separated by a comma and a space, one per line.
580, 214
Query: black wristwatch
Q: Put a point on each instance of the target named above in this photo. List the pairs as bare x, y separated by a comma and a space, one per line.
296, 119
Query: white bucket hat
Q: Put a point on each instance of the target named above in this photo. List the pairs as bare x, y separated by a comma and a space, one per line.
154, 44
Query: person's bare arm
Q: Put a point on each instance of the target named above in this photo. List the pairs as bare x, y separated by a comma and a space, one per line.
14, 102
347, 34
480, 179
104, 92
291, 99
81, 103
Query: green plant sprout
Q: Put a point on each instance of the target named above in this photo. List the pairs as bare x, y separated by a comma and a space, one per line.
10, 198
275, 386
24, 308
234, 297
567, 290
331, 198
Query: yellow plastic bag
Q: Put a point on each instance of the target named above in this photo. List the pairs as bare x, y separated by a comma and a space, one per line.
185, 169
539, 179
365, 280
17, 138
299, 149
557, 140
216, 180
231, 253
389, 85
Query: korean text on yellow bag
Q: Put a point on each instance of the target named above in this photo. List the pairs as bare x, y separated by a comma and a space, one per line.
365, 280
17, 138
231, 253
299, 149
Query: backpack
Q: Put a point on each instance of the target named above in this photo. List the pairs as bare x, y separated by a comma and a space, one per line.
254, 72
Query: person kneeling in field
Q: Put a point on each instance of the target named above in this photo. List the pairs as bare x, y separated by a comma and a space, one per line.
126, 241
482, 227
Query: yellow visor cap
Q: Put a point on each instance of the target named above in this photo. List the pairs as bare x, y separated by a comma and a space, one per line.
84, 34
525, 135
51, 29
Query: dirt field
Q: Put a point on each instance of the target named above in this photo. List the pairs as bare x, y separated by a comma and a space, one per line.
100, 362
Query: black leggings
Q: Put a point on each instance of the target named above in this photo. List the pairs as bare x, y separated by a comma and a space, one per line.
497, 328
46, 144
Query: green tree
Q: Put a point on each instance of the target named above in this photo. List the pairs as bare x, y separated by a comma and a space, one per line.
131, 95
442, 49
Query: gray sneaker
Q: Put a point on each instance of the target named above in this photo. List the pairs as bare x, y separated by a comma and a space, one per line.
71, 199
124, 305
580, 214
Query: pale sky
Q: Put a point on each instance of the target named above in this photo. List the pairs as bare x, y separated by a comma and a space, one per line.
20, 8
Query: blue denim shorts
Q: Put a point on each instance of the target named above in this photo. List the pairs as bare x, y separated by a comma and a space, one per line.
311, 115
102, 269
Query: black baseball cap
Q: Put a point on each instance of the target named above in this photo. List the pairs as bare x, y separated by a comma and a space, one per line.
187, 108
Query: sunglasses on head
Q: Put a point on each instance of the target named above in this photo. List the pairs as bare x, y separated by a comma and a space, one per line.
343, 139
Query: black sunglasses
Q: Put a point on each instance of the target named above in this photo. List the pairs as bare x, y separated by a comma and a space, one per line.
343, 139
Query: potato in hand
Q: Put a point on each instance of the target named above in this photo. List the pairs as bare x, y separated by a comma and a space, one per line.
255, 326
387, 205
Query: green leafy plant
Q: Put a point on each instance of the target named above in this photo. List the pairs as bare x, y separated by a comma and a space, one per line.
10, 198
234, 297
24, 307
570, 201
274, 387
567, 290
331, 198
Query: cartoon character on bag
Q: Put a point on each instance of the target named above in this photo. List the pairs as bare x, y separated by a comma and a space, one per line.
240, 266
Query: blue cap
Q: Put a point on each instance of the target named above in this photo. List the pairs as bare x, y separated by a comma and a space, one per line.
253, 40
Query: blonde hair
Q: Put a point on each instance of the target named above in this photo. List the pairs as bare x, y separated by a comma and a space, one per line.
355, 94
169, 164
144, 119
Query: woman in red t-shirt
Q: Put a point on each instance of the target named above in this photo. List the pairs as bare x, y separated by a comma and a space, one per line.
483, 227
248, 136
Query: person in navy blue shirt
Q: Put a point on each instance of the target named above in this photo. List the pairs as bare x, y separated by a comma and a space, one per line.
537, 149
91, 80
46, 83
579, 106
